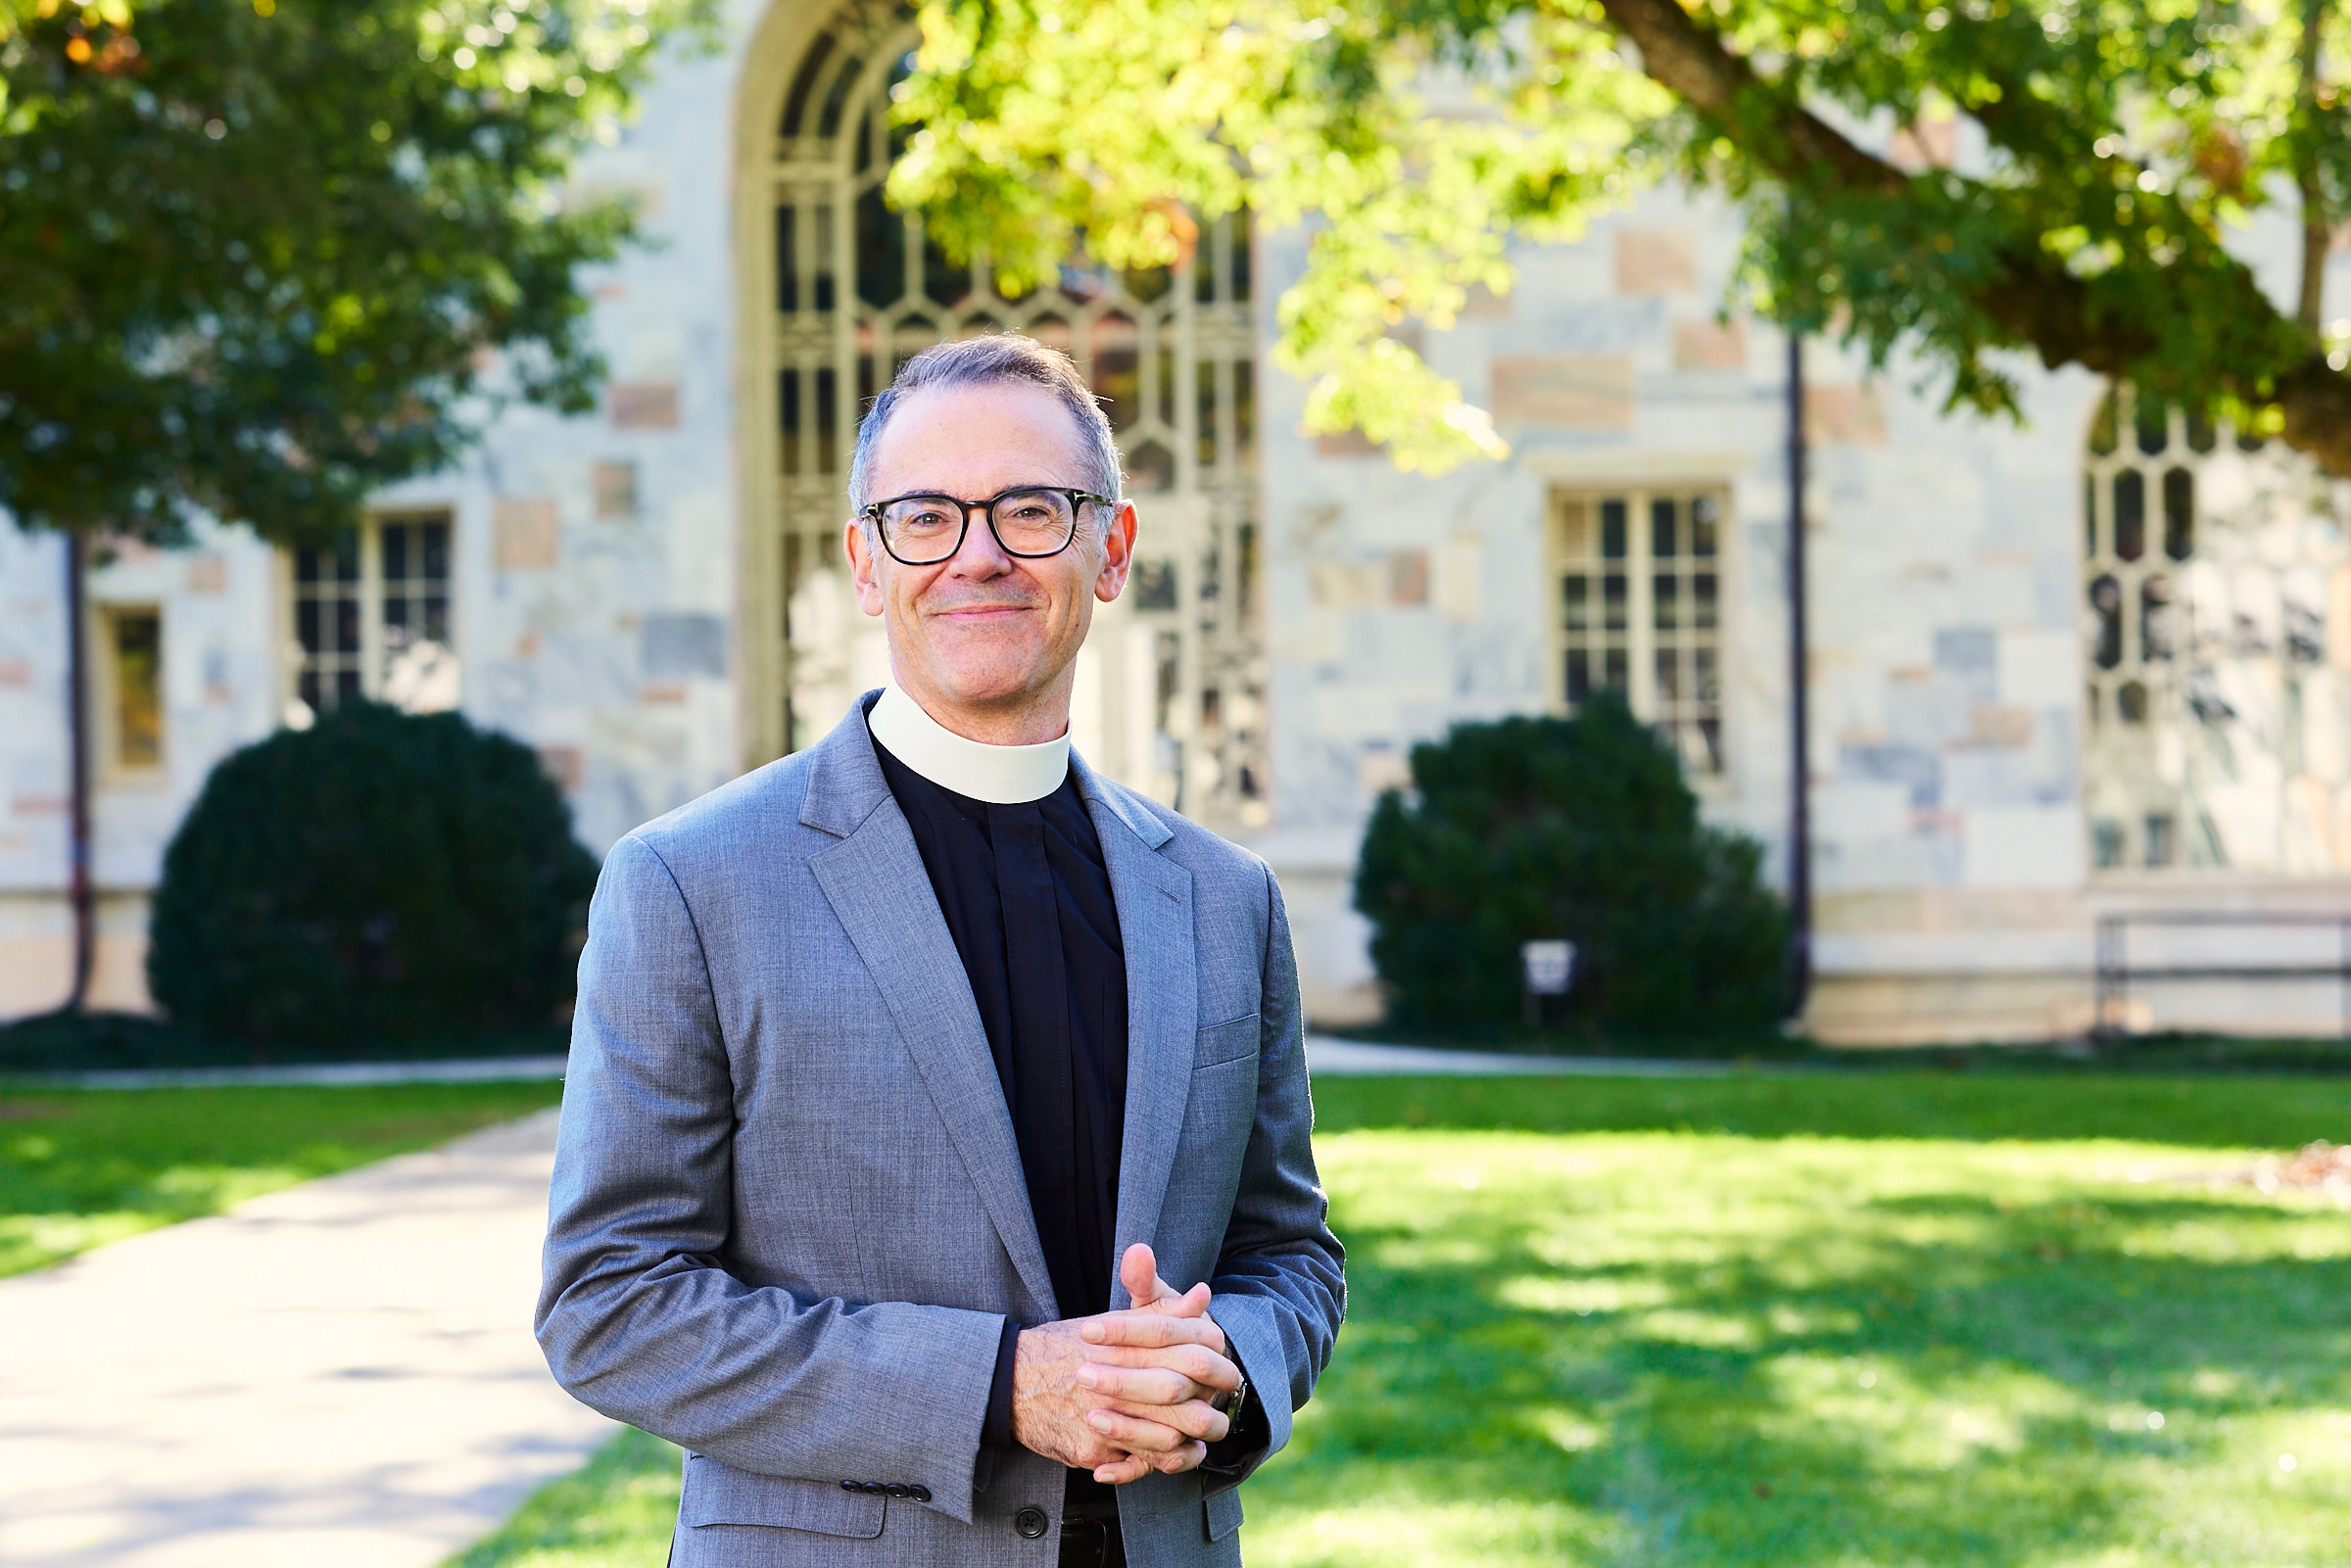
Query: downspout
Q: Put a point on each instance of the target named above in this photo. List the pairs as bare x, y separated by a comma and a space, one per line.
78, 728
1799, 718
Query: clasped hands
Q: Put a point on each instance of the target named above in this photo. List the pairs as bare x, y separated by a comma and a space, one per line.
1128, 1391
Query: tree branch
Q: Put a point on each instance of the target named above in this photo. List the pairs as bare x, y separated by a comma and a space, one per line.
2031, 296
2317, 231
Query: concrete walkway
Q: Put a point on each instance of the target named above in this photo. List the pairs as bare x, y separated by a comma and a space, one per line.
339, 1375
1326, 1058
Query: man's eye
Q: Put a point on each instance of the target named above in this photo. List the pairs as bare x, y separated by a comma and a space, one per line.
924, 520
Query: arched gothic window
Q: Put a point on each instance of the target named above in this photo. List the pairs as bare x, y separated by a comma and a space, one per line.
2217, 620
1171, 686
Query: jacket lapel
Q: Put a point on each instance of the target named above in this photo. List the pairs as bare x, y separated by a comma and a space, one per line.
875, 881
1154, 898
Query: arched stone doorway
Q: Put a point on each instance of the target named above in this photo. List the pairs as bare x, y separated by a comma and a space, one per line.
838, 291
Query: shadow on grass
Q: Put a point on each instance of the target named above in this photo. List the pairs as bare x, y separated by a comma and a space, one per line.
2275, 1113
1648, 1357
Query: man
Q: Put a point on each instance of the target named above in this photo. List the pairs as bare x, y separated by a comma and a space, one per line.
908, 1071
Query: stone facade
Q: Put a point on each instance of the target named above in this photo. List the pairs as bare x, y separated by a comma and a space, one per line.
609, 597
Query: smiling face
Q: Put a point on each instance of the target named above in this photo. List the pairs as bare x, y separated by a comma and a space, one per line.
985, 642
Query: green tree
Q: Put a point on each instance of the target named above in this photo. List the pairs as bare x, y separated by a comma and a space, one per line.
1582, 828
259, 258
2124, 139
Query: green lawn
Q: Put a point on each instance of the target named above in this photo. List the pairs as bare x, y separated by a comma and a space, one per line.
1912, 1320
80, 1167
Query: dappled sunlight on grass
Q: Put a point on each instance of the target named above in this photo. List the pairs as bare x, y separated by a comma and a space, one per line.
1701, 1349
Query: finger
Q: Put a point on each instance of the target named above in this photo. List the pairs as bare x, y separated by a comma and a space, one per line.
1194, 1418
1178, 1460
1142, 1384
1134, 1432
1138, 1272
1117, 1472
1149, 1330
1197, 1362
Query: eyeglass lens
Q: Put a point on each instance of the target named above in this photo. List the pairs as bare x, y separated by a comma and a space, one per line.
921, 528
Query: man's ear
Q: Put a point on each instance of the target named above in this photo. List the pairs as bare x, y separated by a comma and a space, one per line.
1117, 553
863, 567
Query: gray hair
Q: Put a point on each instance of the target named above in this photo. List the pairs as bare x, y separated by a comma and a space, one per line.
980, 362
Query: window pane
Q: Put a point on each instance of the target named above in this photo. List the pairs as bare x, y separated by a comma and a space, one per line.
1612, 601
1614, 669
1662, 518
1576, 591
2130, 514
138, 654
1579, 676
1666, 607
1703, 613
1701, 526
1611, 530
1670, 676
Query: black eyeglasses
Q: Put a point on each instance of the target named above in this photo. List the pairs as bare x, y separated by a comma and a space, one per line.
1030, 522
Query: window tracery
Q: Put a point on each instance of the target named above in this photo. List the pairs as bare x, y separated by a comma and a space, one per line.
1171, 686
2218, 614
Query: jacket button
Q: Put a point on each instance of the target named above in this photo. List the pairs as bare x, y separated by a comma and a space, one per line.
919, 1491
897, 1489
1029, 1522
848, 1486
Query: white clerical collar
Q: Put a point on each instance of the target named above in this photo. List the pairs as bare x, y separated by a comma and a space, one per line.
1003, 775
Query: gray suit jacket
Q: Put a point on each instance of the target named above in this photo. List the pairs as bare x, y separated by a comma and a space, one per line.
788, 1218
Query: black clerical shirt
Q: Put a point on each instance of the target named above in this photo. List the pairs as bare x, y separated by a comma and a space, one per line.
1028, 902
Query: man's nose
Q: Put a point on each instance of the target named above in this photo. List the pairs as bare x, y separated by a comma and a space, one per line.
979, 555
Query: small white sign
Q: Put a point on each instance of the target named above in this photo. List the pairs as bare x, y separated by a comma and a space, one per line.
1550, 966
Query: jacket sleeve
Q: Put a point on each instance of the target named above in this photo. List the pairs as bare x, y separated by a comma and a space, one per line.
1280, 1285
637, 1314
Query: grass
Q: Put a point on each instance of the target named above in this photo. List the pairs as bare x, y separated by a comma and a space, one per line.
1901, 1319
81, 1167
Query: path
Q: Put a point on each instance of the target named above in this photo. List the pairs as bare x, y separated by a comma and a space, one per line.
1325, 1055
339, 1375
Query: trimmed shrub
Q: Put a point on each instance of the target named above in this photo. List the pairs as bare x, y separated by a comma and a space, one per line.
1581, 829
378, 876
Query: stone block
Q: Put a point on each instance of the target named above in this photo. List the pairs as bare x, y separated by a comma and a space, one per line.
2024, 846
643, 405
1656, 260
2040, 669
1709, 344
565, 765
681, 646
1999, 726
615, 486
1846, 415
1564, 390
525, 533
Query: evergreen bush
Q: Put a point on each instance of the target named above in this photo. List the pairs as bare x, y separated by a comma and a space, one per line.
378, 876
1582, 829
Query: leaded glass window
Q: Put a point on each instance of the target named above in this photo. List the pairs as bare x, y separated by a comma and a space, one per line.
2217, 615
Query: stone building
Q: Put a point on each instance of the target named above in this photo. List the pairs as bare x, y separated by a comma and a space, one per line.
2099, 663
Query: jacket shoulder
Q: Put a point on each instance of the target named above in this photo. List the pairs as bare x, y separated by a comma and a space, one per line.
761, 804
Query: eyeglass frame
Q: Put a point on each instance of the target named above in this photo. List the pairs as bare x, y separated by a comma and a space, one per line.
872, 512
